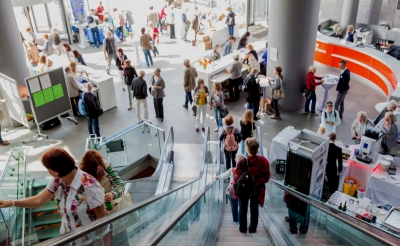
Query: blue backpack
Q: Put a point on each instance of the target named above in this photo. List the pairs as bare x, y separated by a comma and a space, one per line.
82, 105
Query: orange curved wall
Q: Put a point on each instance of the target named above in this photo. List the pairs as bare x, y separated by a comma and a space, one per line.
324, 52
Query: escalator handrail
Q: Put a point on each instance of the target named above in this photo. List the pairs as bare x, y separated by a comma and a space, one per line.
371, 231
259, 139
161, 231
84, 230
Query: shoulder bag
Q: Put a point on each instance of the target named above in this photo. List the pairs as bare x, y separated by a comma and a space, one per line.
223, 112
277, 94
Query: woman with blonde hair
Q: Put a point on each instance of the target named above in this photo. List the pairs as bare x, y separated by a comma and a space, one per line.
216, 55
387, 126
252, 58
44, 64
74, 70
217, 103
200, 96
321, 130
246, 128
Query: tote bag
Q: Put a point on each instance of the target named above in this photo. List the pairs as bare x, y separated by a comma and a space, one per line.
277, 94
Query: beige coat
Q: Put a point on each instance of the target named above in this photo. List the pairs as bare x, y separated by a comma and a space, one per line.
189, 78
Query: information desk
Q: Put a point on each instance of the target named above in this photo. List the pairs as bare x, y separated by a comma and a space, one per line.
220, 35
379, 68
103, 82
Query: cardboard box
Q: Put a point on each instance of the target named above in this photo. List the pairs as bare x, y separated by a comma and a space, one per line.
205, 45
267, 105
202, 37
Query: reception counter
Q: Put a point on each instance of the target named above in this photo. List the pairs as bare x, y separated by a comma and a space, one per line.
380, 69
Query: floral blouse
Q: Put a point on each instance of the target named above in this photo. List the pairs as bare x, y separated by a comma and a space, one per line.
77, 202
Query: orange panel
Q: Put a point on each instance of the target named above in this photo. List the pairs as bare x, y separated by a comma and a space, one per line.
379, 82
386, 71
353, 54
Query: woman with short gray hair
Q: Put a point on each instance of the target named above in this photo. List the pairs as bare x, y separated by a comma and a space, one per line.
157, 86
390, 107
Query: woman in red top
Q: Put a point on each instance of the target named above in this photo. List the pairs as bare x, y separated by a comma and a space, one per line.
99, 12
259, 168
153, 31
311, 84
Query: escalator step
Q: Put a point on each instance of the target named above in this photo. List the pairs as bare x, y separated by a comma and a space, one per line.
46, 219
48, 206
41, 182
48, 233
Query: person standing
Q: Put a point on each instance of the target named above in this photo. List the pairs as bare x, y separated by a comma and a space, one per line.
311, 84
73, 90
78, 56
275, 86
230, 21
154, 33
189, 82
47, 48
231, 138
129, 75
161, 16
252, 58
2, 142
200, 96
172, 23
94, 29
94, 111
388, 127
299, 212
390, 107
100, 12
129, 19
265, 57
330, 118
351, 35
56, 40
252, 87
247, 127
33, 54
342, 87
243, 41
110, 50
235, 78
185, 25
139, 89
157, 85
193, 29
119, 22
216, 55
152, 16
228, 46
334, 164
119, 62
217, 103
259, 168
146, 46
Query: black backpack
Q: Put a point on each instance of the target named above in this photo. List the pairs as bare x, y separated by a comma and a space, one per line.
244, 187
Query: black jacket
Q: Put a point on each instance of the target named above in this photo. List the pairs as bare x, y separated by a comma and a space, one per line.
253, 89
139, 88
246, 130
242, 43
93, 105
334, 154
118, 62
129, 75
380, 116
344, 80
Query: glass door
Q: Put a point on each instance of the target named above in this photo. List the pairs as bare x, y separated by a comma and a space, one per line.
55, 13
258, 12
39, 18
46, 16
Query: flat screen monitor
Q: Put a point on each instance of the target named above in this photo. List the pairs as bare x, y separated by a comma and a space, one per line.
80, 17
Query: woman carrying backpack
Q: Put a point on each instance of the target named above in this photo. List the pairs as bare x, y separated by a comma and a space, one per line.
246, 129
231, 137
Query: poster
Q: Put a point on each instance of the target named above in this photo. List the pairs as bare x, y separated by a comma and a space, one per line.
48, 95
34, 85
273, 54
14, 89
58, 91
45, 81
38, 99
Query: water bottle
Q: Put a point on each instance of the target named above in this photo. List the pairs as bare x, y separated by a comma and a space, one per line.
108, 205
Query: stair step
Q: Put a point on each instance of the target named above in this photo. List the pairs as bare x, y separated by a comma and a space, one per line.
48, 233
243, 244
41, 182
48, 206
47, 219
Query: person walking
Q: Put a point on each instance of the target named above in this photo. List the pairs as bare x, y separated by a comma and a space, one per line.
193, 29
342, 87
129, 75
100, 12
129, 19
252, 87
311, 84
73, 90
119, 62
299, 212
252, 58
78, 56
171, 22
230, 21
47, 48
146, 47
3, 142
259, 169
228, 46
119, 22
189, 82
334, 164
161, 16
235, 78
56, 40
76, 192
94, 110
275, 86
330, 118
154, 33
139, 88
200, 96
185, 25
231, 138
91, 19
157, 86
217, 103
110, 50
247, 127
33, 54
152, 16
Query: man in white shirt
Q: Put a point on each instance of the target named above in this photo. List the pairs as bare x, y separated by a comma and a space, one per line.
330, 118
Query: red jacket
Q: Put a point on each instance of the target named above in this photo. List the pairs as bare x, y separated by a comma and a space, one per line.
99, 12
310, 81
259, 168
162, 14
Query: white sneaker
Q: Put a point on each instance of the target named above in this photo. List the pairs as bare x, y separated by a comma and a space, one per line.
216, 129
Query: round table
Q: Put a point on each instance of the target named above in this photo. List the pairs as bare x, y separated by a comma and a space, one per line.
380, 106
135, 42
264, 85
331, 80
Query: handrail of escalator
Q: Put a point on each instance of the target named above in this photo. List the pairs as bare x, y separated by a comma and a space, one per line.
84, 230
371, 231
259, 138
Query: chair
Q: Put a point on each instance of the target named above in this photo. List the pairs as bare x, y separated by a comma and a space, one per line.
117, 146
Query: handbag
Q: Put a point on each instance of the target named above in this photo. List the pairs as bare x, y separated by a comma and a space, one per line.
384, 148
223, 112
277, 94
306, 93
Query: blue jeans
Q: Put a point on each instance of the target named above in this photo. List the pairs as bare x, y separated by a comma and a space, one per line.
243, 147
230, 30
243, 206
93, 125
121, 30
313, 99
255, 107
234, 208
159, 26
96, 36
155, 50
147, 56
218, 118
188, 98
230, 157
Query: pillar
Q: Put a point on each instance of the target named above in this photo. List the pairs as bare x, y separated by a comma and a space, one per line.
349, 13
374, 12
292, 32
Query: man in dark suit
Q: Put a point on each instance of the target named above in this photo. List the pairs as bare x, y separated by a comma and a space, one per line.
342, 87
334, 157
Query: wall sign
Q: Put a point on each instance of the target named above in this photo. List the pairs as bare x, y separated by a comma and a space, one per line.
273, 54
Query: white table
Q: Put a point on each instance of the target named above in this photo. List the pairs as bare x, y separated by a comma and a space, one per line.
381, 189
380, 106
221, 35
135, 42
280, 143
82, 37
331, 80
